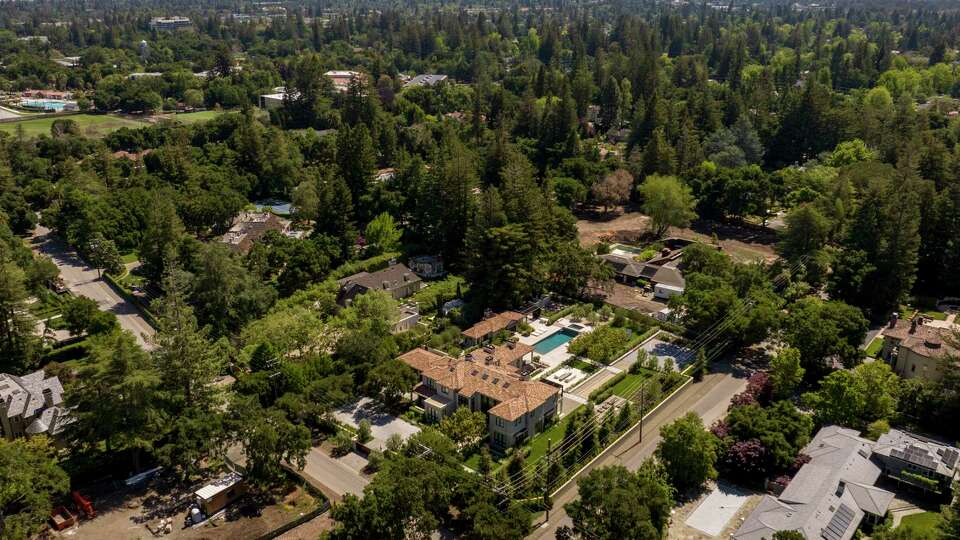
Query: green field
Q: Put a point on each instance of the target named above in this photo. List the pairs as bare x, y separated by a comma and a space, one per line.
98, 125
194, 117
630, 384
91, 125
922, 524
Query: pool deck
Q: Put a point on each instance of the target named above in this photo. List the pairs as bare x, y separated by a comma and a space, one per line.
541, 331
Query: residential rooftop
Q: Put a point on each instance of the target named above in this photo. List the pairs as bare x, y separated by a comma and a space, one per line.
828, 497
923, 339
921, 451
391, 277
492, 325
36, 399
426, 79
515, 396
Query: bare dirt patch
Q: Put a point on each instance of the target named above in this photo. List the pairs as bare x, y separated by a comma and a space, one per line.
745, 243
137, 514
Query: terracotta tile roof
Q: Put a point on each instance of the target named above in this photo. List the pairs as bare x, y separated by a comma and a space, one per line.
532, 395
922, 339
421, 359
516, 397
504, 356
494, 324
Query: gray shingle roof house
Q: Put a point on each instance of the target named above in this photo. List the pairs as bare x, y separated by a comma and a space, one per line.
660, 271
396, 279
909, 459
829, 496
627, 269
426, 79
30, 405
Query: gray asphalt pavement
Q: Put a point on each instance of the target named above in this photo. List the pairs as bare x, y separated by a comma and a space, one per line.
82, 280
708, 398
332, 477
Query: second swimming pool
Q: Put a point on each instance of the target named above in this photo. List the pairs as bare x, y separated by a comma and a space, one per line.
555, 340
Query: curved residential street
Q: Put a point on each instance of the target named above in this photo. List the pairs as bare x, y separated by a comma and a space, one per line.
709, 398
82, 280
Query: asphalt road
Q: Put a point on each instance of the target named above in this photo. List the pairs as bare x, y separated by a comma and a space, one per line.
708, 398
82, 280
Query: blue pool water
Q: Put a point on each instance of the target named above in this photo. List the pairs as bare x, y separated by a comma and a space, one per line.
45, 104
553, 341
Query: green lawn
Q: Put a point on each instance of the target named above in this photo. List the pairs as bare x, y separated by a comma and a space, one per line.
128, 258
873, 350
92, 125
190, 118
582, 365
630, 384
921, 523
934, 314
538, 444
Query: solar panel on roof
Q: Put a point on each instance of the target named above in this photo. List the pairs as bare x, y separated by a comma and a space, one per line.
839, 523
950, 456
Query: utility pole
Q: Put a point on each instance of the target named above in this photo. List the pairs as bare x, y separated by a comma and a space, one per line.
640, 440
546, 479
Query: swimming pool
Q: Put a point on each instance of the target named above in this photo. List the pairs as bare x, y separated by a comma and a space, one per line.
555, 340
44, 104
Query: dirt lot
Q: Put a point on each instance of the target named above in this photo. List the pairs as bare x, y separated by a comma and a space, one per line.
135, 515
743, 243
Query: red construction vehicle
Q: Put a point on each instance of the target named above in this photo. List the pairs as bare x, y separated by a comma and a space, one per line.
84, 505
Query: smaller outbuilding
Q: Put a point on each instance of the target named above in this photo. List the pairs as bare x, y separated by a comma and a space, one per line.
218, 494
426, 79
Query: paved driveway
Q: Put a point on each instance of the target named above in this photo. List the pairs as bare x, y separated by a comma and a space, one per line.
382, 425
332, 477
82, 280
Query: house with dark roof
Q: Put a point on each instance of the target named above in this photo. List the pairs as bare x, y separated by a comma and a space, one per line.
626, 270
396, 279
425, 79
490, 380
31, 405
915, 461
663, 273
917, 348
829, 496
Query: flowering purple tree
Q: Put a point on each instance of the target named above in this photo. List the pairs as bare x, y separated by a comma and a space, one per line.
747, 461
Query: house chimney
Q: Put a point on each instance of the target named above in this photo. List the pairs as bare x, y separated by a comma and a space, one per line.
913, 325
894, 318
47, 397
